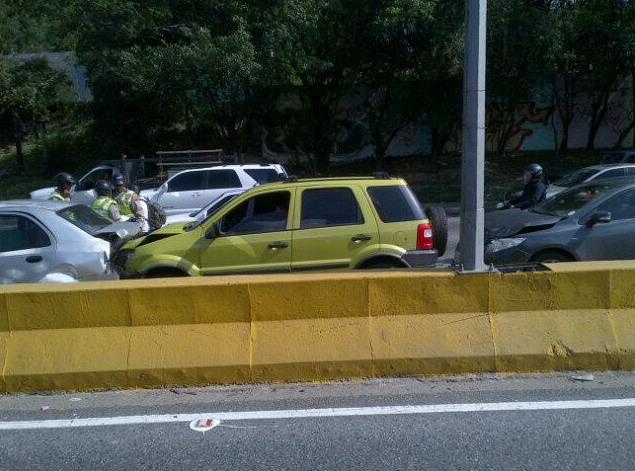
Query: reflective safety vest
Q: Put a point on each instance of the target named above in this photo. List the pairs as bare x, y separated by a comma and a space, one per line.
124, 200
103, 204
56, 196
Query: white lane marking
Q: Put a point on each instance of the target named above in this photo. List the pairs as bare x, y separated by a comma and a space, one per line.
329, 412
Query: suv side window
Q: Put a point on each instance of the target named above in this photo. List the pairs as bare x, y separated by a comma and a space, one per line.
20, 233
630, 171
263, 175
326, 207
395, 203
261, 213
189, 181
222, 179
621, 206
613, 173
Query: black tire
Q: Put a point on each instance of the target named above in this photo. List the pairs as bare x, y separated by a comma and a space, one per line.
165, 273
381, 263
552, 256
439, 221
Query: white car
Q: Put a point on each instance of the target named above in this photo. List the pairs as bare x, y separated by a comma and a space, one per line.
207, 210
82, 192
53, 240
593, 173
190, 190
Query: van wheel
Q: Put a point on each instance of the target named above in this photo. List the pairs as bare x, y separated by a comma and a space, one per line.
439, 221
552, 256
165, 273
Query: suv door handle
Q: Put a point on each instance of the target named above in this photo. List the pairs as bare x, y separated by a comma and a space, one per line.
34, 259
280, 244
360, 238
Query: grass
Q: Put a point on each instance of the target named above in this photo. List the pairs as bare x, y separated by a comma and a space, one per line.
439, 180
73, 148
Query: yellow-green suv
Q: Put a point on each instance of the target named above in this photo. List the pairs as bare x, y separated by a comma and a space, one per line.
294, 225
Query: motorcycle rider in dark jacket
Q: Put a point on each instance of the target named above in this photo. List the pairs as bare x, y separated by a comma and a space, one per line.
535, 189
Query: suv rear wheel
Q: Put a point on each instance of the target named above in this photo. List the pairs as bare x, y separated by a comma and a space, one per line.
439, 221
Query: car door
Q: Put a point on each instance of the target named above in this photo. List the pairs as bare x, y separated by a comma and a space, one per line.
253, 236
332, 230
183, 193
613, 240
218, 182
27, 250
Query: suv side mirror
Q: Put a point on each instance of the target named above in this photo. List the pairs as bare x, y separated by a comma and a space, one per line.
601, 217
213, 232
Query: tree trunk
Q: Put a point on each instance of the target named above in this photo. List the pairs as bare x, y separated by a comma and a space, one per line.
626, 131
599, 112
18, 132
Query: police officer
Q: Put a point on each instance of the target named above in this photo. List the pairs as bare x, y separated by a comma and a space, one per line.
105, 204
131, 205
534, 191
63, 183
124, 196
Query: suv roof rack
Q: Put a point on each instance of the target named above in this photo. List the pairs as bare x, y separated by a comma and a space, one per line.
381, 175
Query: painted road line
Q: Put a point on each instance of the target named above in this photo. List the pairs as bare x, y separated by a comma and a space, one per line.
309, 413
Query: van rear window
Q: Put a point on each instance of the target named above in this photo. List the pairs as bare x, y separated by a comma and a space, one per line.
395, 203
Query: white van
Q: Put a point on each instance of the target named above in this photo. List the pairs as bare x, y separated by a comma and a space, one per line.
190, 190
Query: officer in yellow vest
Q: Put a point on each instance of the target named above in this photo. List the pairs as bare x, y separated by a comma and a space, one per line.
104, 204
123, 196
63, 183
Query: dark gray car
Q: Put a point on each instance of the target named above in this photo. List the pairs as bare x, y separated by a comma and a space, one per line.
592, 221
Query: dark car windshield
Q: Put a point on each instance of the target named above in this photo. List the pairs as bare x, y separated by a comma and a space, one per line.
569, 202
84, 217
576, 178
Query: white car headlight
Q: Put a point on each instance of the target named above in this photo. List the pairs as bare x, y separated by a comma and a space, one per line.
501, 244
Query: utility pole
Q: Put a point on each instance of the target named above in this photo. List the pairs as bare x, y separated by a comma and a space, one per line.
473, 166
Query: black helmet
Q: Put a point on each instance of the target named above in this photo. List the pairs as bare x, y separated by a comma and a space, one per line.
118, 180
535, 170
103, 188
64, 178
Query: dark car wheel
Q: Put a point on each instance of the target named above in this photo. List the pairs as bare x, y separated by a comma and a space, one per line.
552, 256
439, 221
165, 273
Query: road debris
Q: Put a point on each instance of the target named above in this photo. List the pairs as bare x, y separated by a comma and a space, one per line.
583, 377
203, 425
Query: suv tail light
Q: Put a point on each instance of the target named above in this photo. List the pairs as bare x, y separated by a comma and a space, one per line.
424, 236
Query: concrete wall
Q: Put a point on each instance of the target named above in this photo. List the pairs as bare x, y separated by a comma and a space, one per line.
314, 327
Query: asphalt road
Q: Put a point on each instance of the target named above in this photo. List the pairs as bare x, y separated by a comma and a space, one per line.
413, 428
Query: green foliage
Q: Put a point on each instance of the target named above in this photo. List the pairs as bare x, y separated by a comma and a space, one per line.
214, 73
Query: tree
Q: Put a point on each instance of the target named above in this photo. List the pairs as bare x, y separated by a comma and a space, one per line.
167, 67
28, 91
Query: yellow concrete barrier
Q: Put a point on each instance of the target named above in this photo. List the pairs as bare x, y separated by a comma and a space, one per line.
315, 327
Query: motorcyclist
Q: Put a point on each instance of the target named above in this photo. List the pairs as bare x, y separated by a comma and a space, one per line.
534, 192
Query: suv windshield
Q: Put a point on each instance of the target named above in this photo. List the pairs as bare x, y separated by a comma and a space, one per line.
569, 202
206, 212
85, 218
576, 178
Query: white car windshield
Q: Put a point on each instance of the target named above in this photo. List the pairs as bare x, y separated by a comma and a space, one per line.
84, 217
